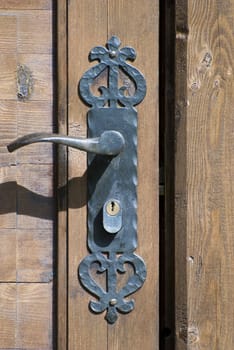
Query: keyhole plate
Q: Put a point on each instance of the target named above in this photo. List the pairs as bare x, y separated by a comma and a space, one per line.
112, 216
113, 179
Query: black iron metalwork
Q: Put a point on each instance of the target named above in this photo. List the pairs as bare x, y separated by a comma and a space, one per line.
109, 142
113, 180
112, 300
112, 177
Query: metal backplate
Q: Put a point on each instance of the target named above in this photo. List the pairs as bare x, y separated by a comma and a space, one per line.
112, 182
113, 178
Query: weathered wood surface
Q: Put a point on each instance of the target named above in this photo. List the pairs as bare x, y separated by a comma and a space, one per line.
26, 316
86, 28
166, 144
91, 23
62, 229
25, 5
26, 195
204, 175
131, 21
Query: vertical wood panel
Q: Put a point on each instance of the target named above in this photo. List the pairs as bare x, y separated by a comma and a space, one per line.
180, 175
167, 155
205, 271
25, 317
137, 26
90, 24
87, 27
62, 229
26, 4
26, 179
34, 316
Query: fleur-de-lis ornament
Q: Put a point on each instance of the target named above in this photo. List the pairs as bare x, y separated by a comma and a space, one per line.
113, 59
112, 177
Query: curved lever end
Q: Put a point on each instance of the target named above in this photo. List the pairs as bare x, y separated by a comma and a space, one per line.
27, 140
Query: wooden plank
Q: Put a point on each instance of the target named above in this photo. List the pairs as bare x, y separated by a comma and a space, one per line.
8, 127
8, 309
87, 27
62, 253
8, 187
166, 144
205, 312
32, 41
41, 68
25, 318
25, 5
35, 197
8, 33
181, 175
17, 264
8, 68
35, 115
26, 195
8, 255
34, 316
38, 265
126, 20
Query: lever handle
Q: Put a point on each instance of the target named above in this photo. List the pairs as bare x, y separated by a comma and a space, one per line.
109, 143
112, 182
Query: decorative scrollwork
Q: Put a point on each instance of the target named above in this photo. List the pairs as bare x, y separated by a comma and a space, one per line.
113, 59
112, 300
113, 179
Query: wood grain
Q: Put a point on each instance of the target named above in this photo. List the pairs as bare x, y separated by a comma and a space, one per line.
32, 41
167, 155
205, 310
35, 115
34, 316
26, 180
8, 33
41, 69
8, 127
8, 255
181, 174
8, 306
25, 5
38, 265
35, 198
17, 264
8, 68
131, 21
8, 186
119, 18
25, 318
87, 27
62, 178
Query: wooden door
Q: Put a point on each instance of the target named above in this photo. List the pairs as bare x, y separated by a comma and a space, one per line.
83, 25
204, 312
27, 210
43, 305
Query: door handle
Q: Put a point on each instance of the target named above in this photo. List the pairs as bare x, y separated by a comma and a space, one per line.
112, 176
109, 143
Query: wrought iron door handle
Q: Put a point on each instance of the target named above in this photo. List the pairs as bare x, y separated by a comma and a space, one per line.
109, 143
111, 176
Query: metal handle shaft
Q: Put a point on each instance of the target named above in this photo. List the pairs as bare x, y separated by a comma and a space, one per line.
109, 143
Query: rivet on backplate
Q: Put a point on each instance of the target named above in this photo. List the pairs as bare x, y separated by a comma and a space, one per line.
113, 302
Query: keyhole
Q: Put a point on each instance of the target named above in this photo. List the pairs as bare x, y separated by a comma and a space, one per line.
112, 208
